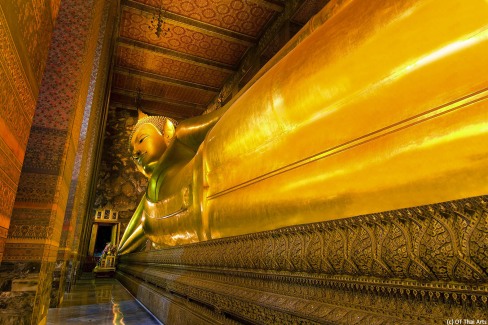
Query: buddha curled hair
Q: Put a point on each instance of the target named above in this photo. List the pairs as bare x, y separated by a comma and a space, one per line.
164, 124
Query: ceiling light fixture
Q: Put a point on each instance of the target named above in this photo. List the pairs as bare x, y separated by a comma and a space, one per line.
157, 22
138, 98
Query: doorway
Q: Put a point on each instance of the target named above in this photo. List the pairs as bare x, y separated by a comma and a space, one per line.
103, 232
104, 236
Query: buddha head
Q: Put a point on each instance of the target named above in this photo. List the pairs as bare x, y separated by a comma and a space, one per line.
149, 139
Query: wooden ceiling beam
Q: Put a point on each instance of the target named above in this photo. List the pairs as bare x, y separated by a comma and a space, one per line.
193, 23
176, 115
152, 107
166, 80
132, 94
123, 41
270, 4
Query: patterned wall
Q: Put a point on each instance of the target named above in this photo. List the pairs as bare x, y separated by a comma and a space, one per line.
80, 222
82, 120
77, 206
50, 152
25, 34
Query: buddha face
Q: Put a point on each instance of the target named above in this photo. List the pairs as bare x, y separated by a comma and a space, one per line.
147, 146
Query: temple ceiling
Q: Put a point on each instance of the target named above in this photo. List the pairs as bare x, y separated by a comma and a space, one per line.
202, 44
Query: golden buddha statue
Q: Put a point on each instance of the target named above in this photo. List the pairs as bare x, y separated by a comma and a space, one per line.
165, 154
383, 106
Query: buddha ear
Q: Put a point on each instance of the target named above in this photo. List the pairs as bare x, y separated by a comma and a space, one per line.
141, 114
169, 130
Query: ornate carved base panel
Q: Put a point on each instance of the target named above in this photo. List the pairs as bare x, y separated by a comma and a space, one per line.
17, 301
58, 283
421, 265
25, 287
170, 308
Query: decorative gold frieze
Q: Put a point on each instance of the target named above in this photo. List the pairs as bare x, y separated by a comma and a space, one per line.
445, 241
416, 265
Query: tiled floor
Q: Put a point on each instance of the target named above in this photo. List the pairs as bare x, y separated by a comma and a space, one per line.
99, 301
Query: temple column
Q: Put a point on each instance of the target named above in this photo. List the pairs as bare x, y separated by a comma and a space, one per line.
25, 34
32, 245
78, 211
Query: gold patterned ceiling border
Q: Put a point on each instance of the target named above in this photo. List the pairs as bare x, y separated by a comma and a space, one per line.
162, 79
126, 42
193, 24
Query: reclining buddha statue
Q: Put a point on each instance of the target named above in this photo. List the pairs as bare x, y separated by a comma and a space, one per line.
383, 106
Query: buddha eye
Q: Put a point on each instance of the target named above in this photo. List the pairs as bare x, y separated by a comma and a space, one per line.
142, 138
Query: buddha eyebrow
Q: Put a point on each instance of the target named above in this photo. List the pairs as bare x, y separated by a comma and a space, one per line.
141, 135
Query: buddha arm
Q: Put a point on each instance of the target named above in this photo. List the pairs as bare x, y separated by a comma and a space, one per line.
192, 132
134, 235
135, 240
